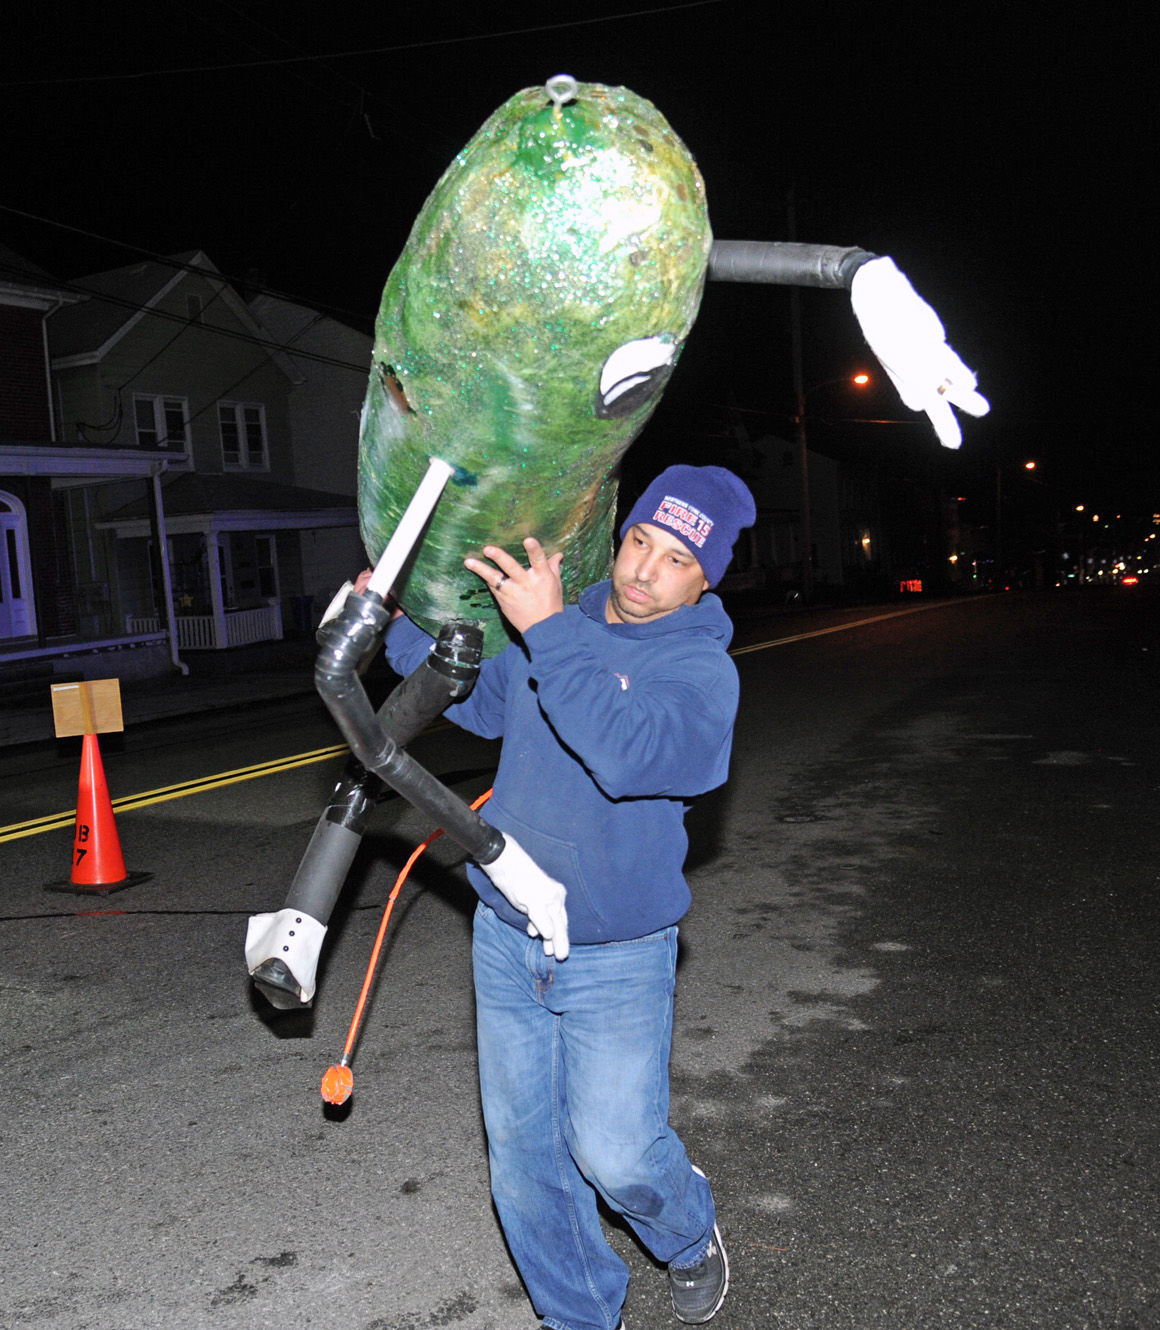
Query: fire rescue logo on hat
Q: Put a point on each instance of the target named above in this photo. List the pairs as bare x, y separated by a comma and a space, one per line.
688, 521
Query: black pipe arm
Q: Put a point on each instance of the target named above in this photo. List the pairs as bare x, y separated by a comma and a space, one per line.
344, 642
785, 263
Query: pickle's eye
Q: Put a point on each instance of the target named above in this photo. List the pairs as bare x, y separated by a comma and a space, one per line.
634, 374
394, 389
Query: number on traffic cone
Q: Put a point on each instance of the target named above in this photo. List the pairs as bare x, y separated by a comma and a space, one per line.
97, 859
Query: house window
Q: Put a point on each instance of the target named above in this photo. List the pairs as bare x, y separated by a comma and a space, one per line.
243, 427
266, 563
17, 615
161, 423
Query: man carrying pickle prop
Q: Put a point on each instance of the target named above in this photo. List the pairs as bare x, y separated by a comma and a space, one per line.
523, 340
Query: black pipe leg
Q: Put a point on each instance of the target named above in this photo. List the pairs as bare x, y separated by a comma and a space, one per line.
445, 676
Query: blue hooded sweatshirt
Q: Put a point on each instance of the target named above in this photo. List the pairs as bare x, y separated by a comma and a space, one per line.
609, 729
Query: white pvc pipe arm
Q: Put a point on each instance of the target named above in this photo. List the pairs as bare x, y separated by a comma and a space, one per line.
410, 527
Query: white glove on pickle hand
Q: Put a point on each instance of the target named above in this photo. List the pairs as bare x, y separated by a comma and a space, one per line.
337, 602
534, 893
909, 340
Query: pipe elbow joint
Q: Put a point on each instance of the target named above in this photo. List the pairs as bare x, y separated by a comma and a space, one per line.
347, 638
456, 657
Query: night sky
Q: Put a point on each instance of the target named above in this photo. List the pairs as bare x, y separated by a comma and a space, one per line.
997, 159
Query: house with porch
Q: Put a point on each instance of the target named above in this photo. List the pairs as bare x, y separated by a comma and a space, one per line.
156, 501
51, 593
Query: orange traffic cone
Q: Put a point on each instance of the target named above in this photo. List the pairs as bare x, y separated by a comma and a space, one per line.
97, 861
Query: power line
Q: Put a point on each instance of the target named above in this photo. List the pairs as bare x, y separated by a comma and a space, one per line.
346, 55
169, 261
271, 348
237, 335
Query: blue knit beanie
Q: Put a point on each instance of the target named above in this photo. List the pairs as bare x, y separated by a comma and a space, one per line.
705, 507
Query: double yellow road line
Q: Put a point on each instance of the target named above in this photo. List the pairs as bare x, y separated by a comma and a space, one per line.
54, 821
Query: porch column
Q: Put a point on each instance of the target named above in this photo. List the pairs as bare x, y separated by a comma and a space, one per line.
213, 554
161, 545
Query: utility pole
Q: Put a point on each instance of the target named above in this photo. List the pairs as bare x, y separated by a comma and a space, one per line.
799, 393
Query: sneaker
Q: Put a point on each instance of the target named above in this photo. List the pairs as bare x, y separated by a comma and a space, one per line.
699, 1290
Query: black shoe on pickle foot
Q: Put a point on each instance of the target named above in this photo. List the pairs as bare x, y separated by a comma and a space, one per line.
699, 1290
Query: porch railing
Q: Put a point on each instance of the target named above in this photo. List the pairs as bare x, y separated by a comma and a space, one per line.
198, 632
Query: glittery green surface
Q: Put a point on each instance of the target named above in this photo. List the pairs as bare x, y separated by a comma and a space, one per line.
559, 234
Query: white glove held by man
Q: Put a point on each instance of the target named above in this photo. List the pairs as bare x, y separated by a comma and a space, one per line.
531, 891
909, 340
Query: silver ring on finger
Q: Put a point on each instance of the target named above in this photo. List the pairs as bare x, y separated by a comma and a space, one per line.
503, 577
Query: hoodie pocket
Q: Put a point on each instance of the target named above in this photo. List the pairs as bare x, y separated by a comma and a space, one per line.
559, 859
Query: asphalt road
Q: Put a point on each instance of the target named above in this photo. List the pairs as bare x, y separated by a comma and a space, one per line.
917, 1024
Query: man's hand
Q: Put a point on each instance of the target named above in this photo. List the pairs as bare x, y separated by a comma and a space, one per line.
524, 595
908, 338
360, 585
533, 893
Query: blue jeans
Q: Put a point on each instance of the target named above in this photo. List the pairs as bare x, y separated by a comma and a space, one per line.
574, 1075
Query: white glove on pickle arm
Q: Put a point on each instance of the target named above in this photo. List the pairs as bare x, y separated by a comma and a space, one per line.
909, 340
531, 891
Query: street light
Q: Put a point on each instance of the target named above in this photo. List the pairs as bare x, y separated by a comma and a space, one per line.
860, 380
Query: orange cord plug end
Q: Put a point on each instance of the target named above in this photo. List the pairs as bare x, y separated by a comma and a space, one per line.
337, 1084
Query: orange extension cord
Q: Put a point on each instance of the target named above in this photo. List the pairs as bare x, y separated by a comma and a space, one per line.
338, 1082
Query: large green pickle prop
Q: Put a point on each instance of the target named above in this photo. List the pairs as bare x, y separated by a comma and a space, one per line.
525, 336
